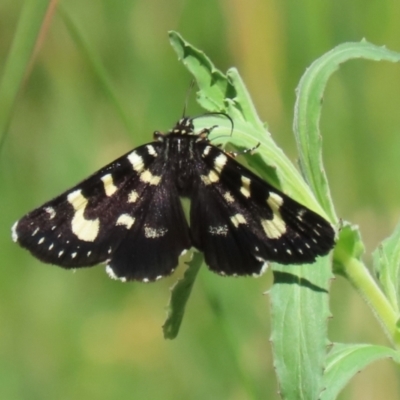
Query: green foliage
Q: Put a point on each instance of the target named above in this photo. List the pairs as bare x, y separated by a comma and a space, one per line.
179, 297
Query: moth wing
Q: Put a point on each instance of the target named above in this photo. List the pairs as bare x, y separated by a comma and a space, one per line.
100, 218
241, 221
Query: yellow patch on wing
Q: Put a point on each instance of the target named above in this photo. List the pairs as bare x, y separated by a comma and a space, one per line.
85, 229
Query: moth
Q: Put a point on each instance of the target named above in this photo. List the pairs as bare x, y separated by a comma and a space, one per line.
129, 216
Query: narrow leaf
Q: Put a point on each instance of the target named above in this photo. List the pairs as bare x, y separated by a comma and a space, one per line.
300, 313
345, 360
308, 111
180, 294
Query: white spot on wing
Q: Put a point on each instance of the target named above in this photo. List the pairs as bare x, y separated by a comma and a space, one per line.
220, 162
274, 228
147, 177
112, 274
60, 253
35, 231
133, 196
84, 229
275, 201
245, 189
205, 179
41, 240
228, 197
51, 211
125, 220
206, 150
73, 255
151, 150
108, 183
136, 161
153, 233
14, 233
51, 246
238, 219
218, 230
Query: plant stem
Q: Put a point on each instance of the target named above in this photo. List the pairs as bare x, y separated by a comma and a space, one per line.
359, 276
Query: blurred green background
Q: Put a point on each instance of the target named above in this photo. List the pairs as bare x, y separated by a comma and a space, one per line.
80, 335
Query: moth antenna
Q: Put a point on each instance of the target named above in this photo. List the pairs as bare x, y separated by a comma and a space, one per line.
189, 92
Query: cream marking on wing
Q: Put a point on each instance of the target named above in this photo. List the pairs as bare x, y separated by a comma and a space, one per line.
205, 179
220, 162
88, 253
228, 197
35, 231
51, 246
145, 280
133, 196
73, 255
218, 230
53, 227
289, 251
125, 220
84, 229
51, 211
108, 183
136, 161
213, 176
112, 274
206, 150
151, 150
153, 233
41, 240
274, 228
14, 233
147, 177
238, 219
60, 253
245, 189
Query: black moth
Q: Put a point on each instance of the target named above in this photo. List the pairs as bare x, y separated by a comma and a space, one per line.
129, 215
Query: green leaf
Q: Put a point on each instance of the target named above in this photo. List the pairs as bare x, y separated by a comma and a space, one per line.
19, 59
180, 296
308, 111
345, 360
299, 300
213, 84
387, 267
348, 245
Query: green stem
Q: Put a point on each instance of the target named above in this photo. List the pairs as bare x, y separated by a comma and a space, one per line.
358, 275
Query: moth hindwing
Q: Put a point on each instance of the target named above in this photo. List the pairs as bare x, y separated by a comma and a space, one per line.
129, 216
